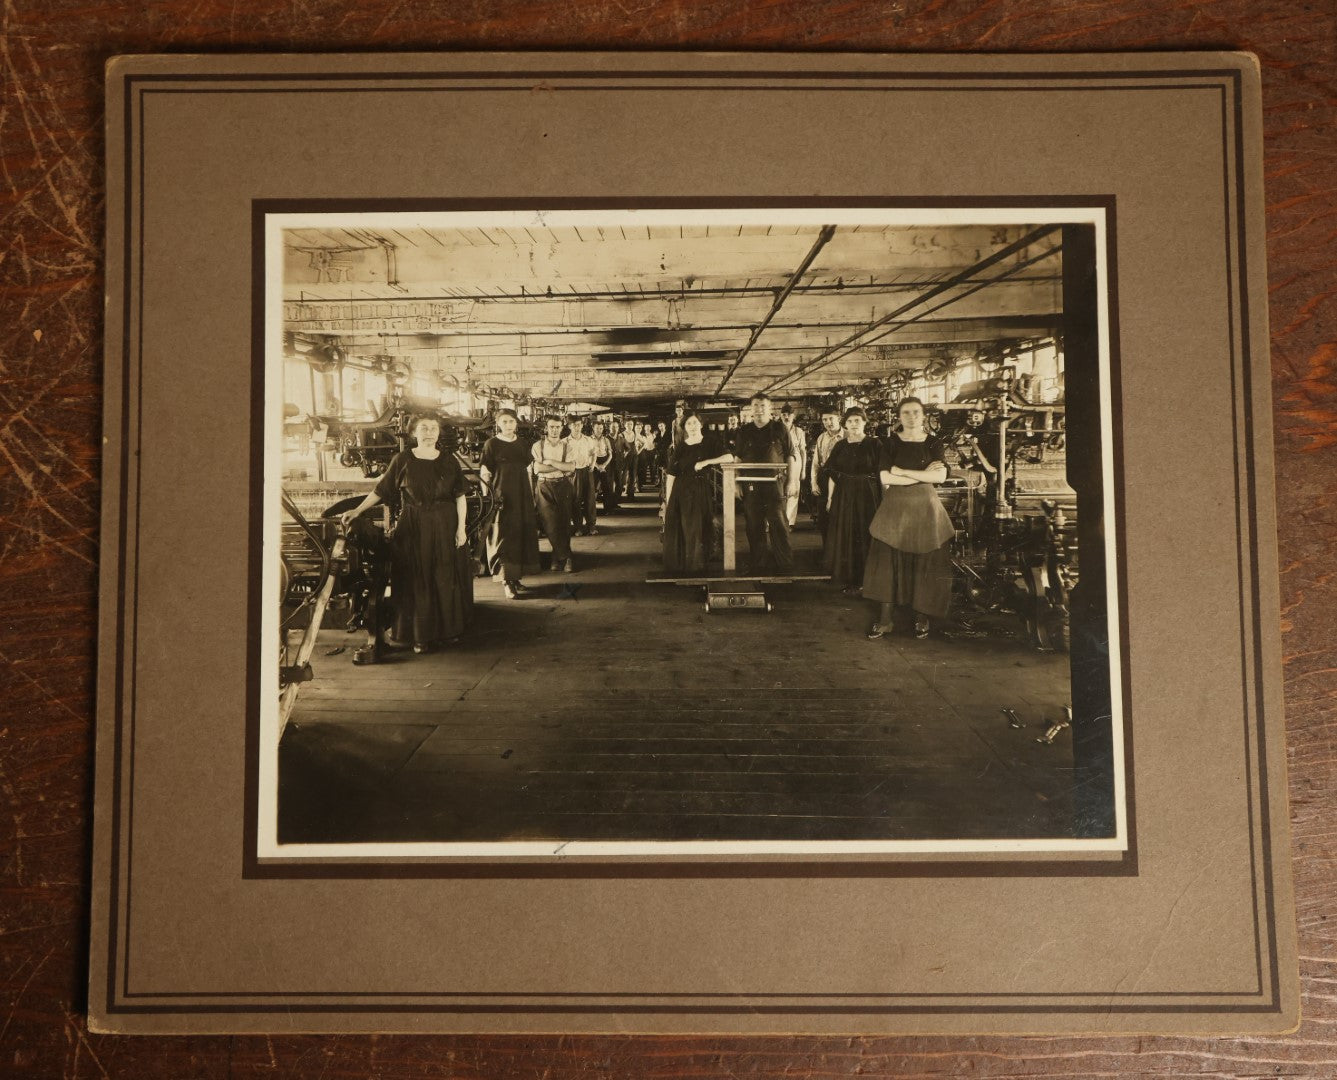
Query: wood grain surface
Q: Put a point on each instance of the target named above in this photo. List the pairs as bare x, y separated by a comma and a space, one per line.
51, 204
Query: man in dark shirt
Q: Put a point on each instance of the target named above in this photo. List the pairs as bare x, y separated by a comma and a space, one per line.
603, 468
679, 431
618, 469
731, 425
765, 439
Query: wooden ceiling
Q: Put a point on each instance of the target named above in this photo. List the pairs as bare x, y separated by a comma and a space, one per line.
623, 313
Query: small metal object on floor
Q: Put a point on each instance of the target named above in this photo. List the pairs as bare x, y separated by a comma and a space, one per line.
736, 596
1051, 733
728, 591
1013, 720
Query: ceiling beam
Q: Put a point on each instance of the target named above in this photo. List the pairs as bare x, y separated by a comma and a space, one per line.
827, 232
865, 284
897, 327
938, 290
575, 342
456, 260
464, 318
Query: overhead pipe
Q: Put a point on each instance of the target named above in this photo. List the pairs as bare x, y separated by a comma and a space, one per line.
820, 360
1004, 276
827, 232
1010, 272
853, 288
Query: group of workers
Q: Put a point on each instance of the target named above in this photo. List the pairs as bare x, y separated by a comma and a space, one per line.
884, 530
558, 482
575, 467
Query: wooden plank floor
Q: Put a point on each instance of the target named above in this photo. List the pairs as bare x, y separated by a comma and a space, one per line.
606, 708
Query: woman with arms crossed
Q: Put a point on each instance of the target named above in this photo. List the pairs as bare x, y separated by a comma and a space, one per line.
907, 563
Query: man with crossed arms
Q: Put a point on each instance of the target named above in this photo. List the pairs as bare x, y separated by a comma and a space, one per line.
553, 492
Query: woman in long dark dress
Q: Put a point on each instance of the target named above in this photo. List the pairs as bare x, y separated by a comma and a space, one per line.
688, 527
425, 569
853, 493
907, 565
504, 468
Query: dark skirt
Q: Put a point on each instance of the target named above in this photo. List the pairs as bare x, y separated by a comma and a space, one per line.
904, 578
853, 504
687, 525
517, 535
425, 576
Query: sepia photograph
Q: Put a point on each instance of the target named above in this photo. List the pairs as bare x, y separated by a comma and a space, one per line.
688, 531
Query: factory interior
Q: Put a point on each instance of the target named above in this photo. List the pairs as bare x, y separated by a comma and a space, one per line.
610, 698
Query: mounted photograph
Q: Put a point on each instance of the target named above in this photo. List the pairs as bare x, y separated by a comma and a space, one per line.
689, 543
755, 530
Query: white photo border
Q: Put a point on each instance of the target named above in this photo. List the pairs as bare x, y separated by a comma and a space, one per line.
268, 850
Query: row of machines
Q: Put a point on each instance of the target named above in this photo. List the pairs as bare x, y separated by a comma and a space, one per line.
1015, 512
332, 576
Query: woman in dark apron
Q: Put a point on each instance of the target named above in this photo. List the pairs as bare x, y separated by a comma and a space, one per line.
425, 570
907, 565
504, 468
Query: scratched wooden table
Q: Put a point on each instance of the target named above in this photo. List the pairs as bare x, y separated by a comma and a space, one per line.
51, 201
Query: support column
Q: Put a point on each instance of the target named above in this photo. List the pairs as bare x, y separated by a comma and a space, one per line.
1092, 732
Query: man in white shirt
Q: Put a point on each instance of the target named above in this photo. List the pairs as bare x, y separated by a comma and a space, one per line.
821, 450
581, 450
553, 492
645, 442
799, 440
